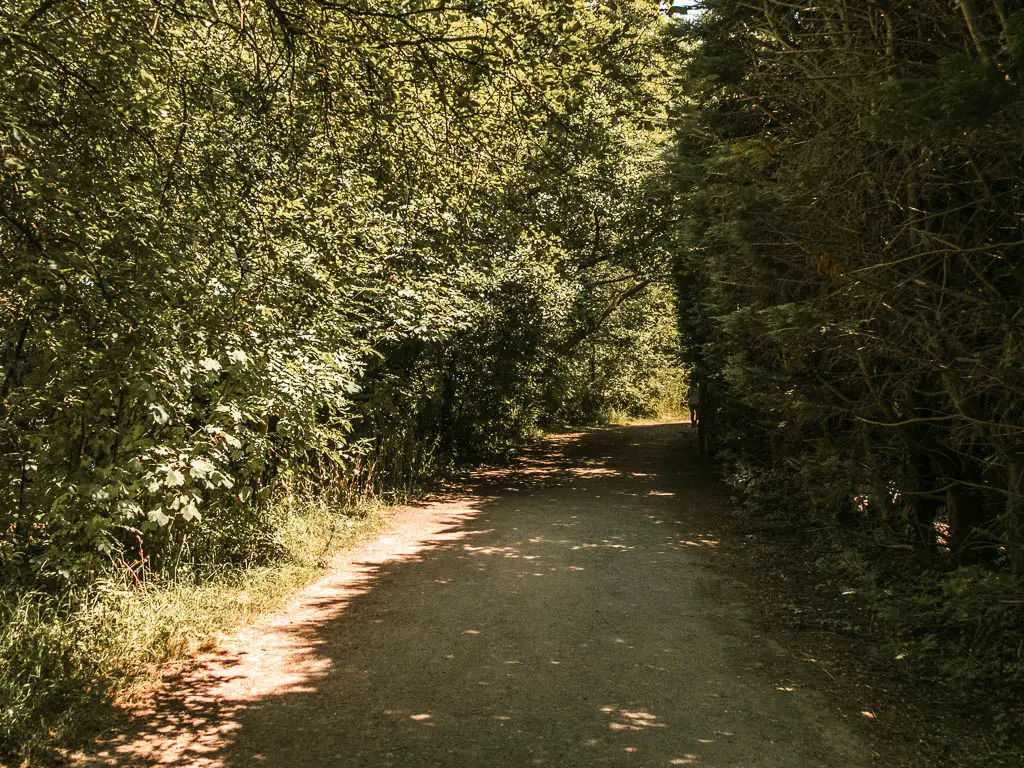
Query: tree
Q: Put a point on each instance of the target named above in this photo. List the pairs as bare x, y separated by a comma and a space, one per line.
333, 242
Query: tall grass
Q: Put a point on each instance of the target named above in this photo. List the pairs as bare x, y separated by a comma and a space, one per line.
66, 660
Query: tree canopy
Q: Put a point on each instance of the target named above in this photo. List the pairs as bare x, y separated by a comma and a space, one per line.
334, 241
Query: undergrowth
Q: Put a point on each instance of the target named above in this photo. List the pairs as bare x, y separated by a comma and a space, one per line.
951, 637
65, 661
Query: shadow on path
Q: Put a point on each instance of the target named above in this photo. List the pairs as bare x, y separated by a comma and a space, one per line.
572, 611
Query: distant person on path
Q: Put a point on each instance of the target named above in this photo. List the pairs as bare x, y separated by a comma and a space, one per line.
693, 403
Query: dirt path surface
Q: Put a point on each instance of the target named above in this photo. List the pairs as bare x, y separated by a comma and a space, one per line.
575, 610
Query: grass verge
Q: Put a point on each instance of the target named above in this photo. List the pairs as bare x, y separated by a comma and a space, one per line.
67, 661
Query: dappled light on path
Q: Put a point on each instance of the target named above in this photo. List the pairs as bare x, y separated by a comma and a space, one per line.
567, 611
189, 723
626, 720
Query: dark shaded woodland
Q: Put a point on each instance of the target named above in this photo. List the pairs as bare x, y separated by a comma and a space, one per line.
852, 298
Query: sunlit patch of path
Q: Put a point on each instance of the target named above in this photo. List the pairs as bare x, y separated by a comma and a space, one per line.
570, 611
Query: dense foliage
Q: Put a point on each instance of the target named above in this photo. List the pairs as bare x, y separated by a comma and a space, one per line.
851, 288
298, 239
253, 246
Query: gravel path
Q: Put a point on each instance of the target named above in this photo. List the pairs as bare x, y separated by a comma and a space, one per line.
575, 610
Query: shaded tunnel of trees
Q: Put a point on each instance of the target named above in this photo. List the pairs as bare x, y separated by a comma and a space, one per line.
346, 246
